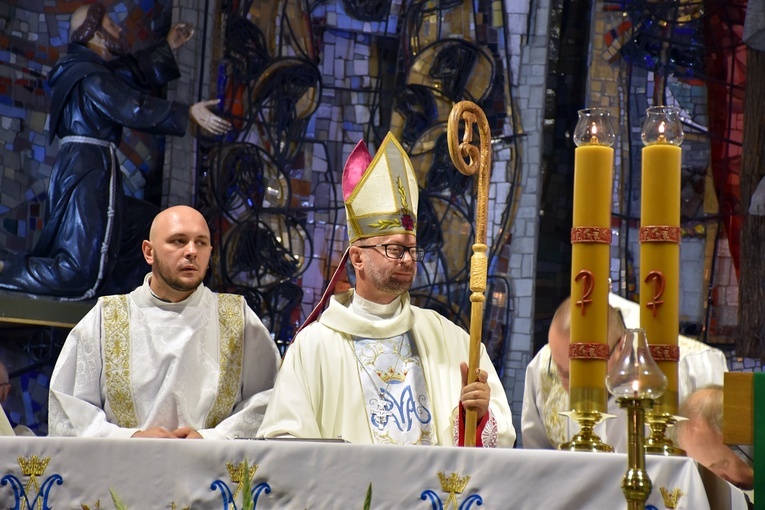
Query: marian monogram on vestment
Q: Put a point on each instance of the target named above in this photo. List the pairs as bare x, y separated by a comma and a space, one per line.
394, 391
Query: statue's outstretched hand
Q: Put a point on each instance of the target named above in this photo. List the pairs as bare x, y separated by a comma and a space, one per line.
180, 34
206, 119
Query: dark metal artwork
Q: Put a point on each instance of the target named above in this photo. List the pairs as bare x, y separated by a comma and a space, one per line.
271, 92
368, 10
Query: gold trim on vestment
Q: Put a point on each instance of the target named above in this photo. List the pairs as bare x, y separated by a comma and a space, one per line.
231, 338
116, 324
555, 400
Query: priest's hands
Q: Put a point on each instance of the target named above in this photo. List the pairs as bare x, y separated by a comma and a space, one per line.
201, 114
181, 433
187, 433
475, 396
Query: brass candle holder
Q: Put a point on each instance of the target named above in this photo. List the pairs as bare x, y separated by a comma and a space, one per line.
586, 440
658, 443
636, 381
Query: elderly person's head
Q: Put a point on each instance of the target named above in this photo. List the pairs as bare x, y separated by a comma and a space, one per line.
559, 338
701, 437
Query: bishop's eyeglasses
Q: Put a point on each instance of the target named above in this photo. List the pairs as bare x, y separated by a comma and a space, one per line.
397, 251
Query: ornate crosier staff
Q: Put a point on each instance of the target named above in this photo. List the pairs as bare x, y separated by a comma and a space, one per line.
480, 162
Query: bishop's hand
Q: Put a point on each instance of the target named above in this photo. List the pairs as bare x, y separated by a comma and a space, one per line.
476, 395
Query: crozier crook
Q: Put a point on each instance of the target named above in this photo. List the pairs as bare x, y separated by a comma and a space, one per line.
479, 161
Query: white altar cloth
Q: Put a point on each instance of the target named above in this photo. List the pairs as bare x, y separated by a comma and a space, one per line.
158, 474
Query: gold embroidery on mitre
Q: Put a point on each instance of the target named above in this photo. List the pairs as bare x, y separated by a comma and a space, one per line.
238, 474
94, 507
374, 208
33, 467
386, 224
231, 347
671, 498
405, 215
452, 484
402, 195
116, 324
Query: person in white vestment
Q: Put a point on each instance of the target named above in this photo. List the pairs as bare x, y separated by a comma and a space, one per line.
172, 359
375, 368
545, 393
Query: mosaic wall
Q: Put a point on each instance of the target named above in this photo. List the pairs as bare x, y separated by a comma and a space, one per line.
28, 354
302, 93
648, 56
33, 35
643, 55
302, 84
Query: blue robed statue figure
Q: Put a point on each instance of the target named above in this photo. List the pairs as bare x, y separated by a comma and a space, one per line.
90, 228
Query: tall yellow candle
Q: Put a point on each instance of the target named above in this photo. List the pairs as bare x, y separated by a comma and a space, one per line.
660, 245
590, 262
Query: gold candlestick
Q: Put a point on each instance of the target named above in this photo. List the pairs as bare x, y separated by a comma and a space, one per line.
636, 380
636, 484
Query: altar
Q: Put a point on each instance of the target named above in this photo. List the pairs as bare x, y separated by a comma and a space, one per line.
146, 474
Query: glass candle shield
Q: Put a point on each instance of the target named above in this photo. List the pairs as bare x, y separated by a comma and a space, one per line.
594, 127
662, 124
636, 374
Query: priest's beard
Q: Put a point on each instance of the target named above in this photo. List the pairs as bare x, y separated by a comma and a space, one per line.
175, 283
117, 46
384, 281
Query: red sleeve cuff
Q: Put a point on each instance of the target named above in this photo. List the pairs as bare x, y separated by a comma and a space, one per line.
479, 428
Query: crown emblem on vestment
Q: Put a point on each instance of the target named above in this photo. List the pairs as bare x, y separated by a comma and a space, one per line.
389, 375
237, 473
241, 474
33, 466
671, 498
453, 483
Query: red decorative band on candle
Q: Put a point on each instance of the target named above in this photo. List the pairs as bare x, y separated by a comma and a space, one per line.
661, 352
591, 235
588, 351
660, 234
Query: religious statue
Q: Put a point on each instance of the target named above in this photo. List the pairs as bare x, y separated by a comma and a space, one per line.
88, 244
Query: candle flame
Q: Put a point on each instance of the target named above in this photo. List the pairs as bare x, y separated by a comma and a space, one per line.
636, 387
593, 134
662, 138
